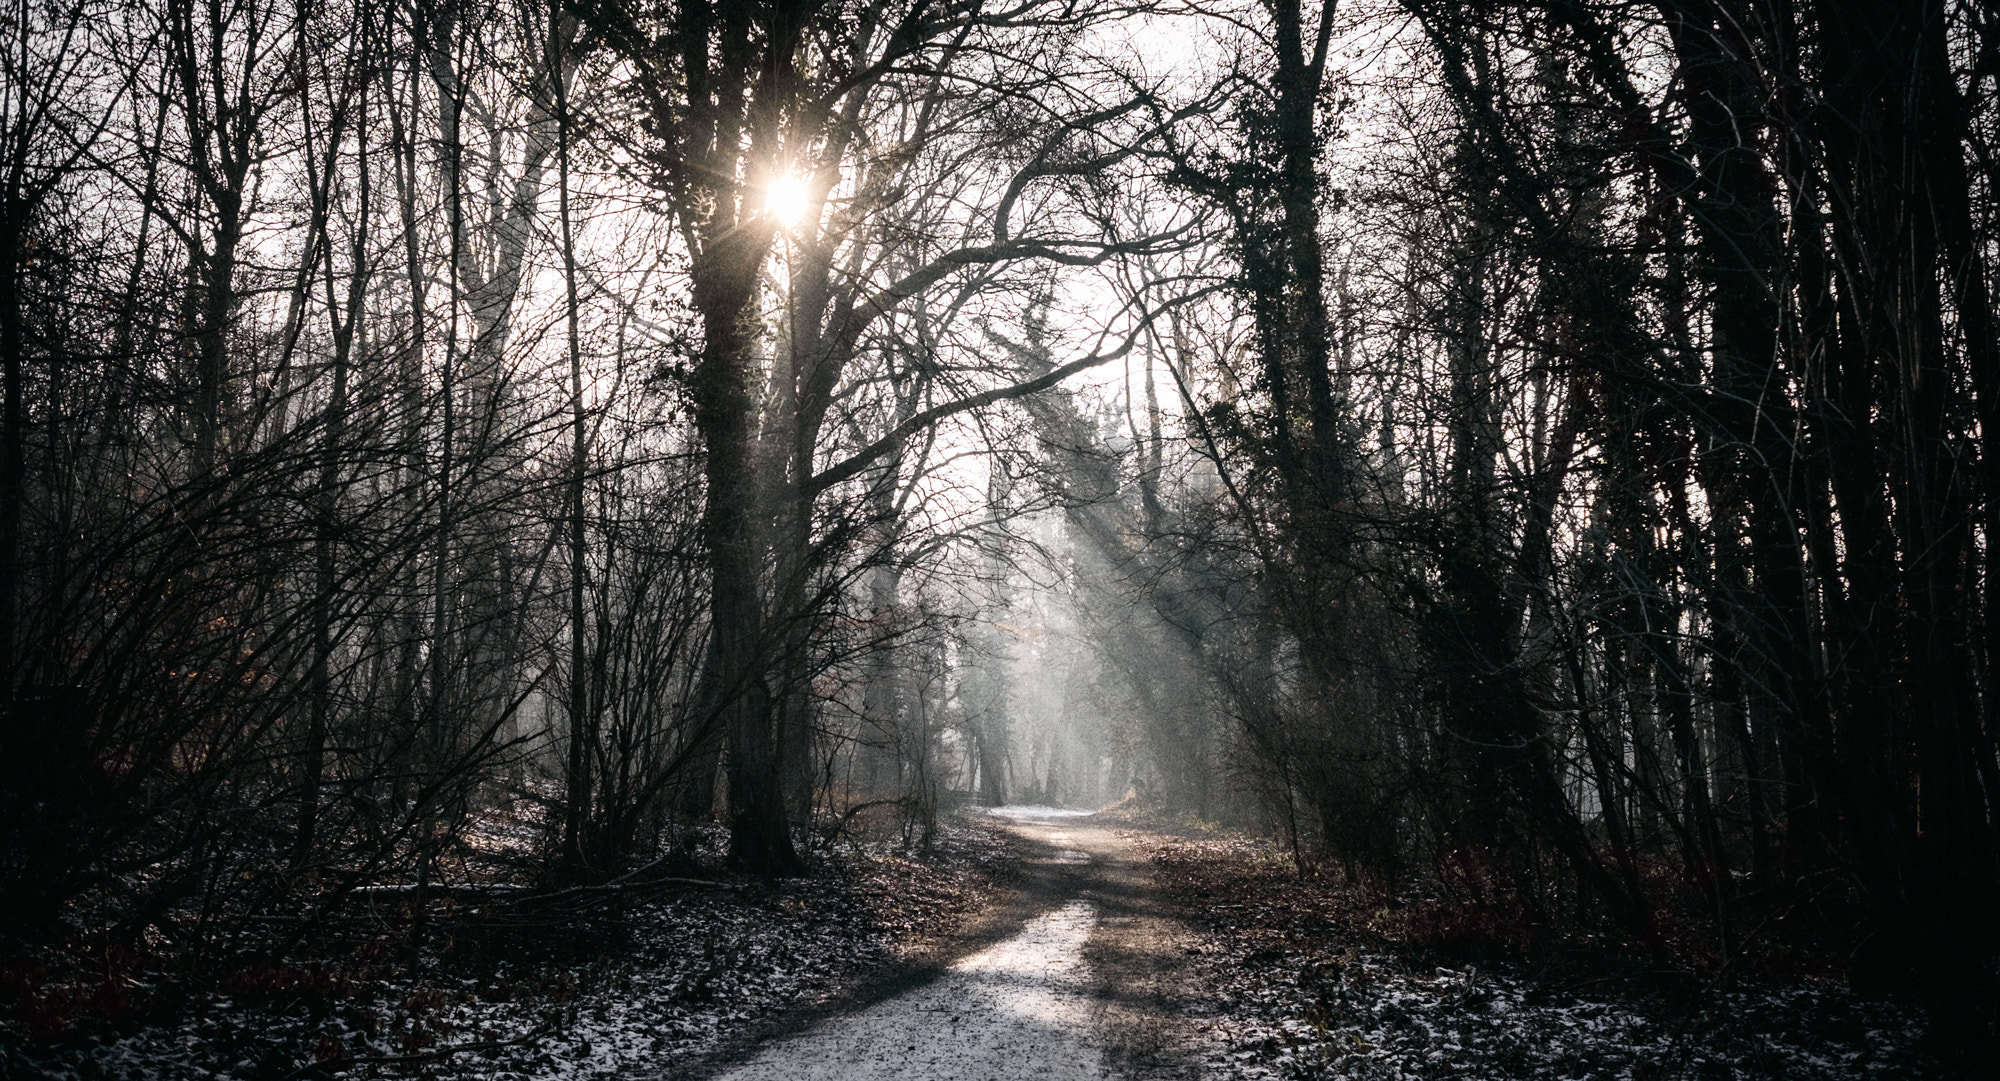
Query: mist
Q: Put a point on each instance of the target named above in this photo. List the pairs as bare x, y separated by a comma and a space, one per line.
1523, 463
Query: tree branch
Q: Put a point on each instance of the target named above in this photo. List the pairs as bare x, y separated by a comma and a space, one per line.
862, 458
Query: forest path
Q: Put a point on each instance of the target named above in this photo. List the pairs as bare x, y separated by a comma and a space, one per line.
1076, 981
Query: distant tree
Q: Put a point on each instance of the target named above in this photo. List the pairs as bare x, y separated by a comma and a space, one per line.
739, 102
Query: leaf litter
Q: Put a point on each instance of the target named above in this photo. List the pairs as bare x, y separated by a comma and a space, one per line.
1291, 990
619, 992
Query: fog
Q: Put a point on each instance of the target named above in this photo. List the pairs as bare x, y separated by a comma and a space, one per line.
1536, 450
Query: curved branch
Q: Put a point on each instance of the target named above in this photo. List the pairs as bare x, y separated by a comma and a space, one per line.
867, 455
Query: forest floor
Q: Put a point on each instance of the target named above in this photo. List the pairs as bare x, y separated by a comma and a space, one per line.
1028, 944
1072, 974
1298, 980
1171, 954
662, 986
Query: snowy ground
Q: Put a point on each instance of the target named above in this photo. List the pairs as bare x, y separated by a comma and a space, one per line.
1031, 812
1292, 994
1018, 1011
635, 993
1378, 1020
1270, 980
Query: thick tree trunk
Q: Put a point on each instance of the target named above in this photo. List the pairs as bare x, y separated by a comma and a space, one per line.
738, 693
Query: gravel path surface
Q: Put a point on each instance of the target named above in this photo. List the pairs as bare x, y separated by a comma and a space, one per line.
1021, 1009
1073, 980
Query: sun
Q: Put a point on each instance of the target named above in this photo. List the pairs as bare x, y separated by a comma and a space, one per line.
785, 199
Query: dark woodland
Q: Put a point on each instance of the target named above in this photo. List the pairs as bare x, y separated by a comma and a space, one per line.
1527, 459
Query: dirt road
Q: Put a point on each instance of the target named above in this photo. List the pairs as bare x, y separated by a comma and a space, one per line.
1070, 978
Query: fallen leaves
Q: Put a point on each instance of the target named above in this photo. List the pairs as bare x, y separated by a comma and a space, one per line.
647, 986
1307, 980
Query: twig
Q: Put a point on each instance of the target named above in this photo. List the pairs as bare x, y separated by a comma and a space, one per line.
622, 884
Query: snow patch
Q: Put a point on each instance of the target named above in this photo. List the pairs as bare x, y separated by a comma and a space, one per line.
1035, 812
1018, 1011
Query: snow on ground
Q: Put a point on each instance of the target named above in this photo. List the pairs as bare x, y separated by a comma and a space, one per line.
1291, 994
1377, 1021
666, 981
1034, 812
1019, 1011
